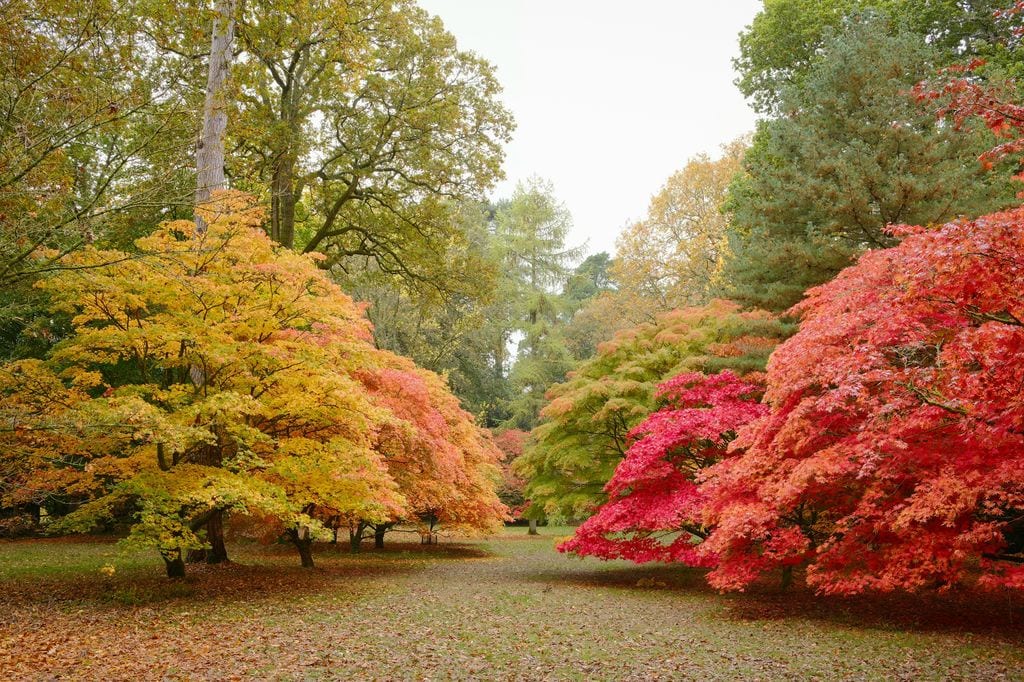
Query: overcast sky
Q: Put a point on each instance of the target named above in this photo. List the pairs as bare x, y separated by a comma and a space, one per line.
610, 98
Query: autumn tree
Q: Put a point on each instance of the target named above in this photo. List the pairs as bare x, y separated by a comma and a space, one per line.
997, 106
443, 464
654, 510
217, 371
966, 92
852, 153
94, 140
673, 257
364, 125
584, 428
463, 335
511, 443
892, 456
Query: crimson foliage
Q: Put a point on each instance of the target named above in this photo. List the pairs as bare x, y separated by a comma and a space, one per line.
654, 508
893, 457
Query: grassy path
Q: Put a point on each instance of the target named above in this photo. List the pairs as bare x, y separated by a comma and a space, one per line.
506, 608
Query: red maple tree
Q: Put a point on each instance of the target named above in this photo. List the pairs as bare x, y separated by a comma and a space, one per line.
893, 457
654, 508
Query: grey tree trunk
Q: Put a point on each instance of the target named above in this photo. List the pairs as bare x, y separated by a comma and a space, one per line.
533, 527
210, 148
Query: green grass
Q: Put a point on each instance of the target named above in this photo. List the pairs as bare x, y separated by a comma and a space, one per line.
508, 607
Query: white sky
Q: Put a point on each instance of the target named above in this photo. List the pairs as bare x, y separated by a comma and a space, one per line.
610, 98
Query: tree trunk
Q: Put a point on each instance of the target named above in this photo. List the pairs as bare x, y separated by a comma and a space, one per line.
282, 202
215, 534
218, 552
174, 564
533, 527
210, 149
303, 542
378, 536
787, 577
355, 538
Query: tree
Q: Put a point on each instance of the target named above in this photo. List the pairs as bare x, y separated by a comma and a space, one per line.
584, 429
853, 154
93, 139
531, 229
207, 373
367, 127
964, 97
673, 257
463, 335
511, 443
210, 149
994, 106
654, 507
589, 279
892, 456
444, 465
785, 39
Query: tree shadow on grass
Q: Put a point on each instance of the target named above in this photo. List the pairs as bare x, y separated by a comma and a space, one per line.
628, 577
956, 611
398, 550
999, 613
255, 572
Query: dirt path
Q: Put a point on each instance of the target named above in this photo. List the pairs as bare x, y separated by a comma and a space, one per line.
509, 608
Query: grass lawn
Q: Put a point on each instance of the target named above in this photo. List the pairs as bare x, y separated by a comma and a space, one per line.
508, 607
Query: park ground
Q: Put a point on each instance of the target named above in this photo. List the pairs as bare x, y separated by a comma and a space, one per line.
505, 608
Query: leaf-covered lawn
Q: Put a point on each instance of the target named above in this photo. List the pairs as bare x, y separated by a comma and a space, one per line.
504, 608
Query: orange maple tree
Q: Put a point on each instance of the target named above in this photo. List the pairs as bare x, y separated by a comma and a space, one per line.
445, 466
216, 373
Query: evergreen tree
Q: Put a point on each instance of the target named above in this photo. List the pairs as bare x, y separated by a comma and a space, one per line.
853, 154
780, 46
532, 228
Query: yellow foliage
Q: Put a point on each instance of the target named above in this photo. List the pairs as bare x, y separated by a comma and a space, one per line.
217, 371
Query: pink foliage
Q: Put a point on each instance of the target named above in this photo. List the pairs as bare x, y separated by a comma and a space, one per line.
444, 465
654, 507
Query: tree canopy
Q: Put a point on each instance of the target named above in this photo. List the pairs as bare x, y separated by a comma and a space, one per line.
673, 258
654, 510
891, 457
215, 372
584, 429
786, 37
853, 153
